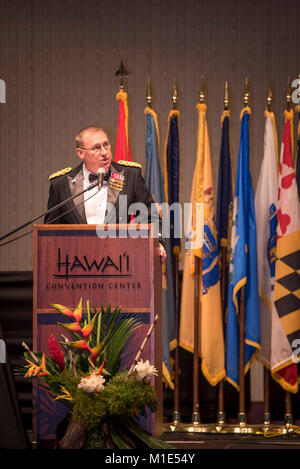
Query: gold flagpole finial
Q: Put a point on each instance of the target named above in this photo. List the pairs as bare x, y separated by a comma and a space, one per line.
226, 97
269, 99
246, 93
174, 96
201, 93
122, 72
288, 94
149, 93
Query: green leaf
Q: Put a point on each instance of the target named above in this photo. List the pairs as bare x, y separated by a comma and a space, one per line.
145, 437
119, 442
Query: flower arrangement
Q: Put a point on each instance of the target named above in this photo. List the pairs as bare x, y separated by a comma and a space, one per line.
84, 373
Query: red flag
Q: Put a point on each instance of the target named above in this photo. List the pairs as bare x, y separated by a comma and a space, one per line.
123, 150
287, 277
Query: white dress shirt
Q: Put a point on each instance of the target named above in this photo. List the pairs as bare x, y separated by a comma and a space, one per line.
94, 207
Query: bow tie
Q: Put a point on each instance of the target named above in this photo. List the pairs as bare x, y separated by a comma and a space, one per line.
94, 177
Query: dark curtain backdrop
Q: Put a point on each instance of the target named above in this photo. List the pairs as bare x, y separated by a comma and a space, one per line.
59, 57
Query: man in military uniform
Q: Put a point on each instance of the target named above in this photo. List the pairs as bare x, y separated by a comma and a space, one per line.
95, 206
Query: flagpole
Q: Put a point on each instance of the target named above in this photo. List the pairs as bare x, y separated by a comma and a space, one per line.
288, 417
176, 410
242, 413
223, 251
122, 72
267, 414
197, 312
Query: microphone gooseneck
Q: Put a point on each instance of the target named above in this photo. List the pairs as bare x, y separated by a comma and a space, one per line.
100, 174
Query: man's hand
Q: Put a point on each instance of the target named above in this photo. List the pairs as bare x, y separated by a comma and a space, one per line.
162, 253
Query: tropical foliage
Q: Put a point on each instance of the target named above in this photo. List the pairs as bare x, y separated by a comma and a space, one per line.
83, 371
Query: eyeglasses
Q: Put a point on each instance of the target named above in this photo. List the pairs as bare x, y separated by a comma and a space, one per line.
97, 148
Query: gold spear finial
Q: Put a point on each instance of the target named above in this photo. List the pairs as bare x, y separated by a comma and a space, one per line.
246, 93
174, 96
122, 72
226, 97
269, 98
288, 94
201, 93
149, 93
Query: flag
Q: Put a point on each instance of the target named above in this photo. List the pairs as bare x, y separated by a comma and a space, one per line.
242, 265
297, 165
210, 322
286, 306
122, 150
224, 201
266, 222
224, 205
266, 226
171, 179
154, 181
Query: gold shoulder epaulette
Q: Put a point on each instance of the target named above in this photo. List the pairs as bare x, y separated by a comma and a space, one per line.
129, 163
60, 173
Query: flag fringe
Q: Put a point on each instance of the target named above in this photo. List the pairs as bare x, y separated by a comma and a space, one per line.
213, 380
233, 383
245, 109
248, 364
241, 283
173, 344
278, 378
284, 384
265, 299
167, 376
289, 115
225, 113
148, 110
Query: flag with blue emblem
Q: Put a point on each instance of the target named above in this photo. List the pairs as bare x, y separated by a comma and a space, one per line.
201, 241
154, 181
243, 265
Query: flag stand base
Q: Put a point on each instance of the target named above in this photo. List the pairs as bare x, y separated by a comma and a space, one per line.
221, 418
176, 417
240, 428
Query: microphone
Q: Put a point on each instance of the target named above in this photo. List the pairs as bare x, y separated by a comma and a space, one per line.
100, 174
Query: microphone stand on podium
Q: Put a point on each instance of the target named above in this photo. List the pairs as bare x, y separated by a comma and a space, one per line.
100, 178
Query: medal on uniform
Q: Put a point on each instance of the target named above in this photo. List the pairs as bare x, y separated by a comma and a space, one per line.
116, 181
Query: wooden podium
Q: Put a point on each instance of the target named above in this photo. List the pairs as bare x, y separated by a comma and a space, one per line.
105, 264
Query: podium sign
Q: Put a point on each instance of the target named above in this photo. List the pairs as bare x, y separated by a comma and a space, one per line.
117, 265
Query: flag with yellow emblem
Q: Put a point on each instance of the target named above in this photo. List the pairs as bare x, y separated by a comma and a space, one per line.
201, 242
286, 306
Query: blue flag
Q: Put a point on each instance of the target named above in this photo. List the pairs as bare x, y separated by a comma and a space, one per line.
243, 265
154, 181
